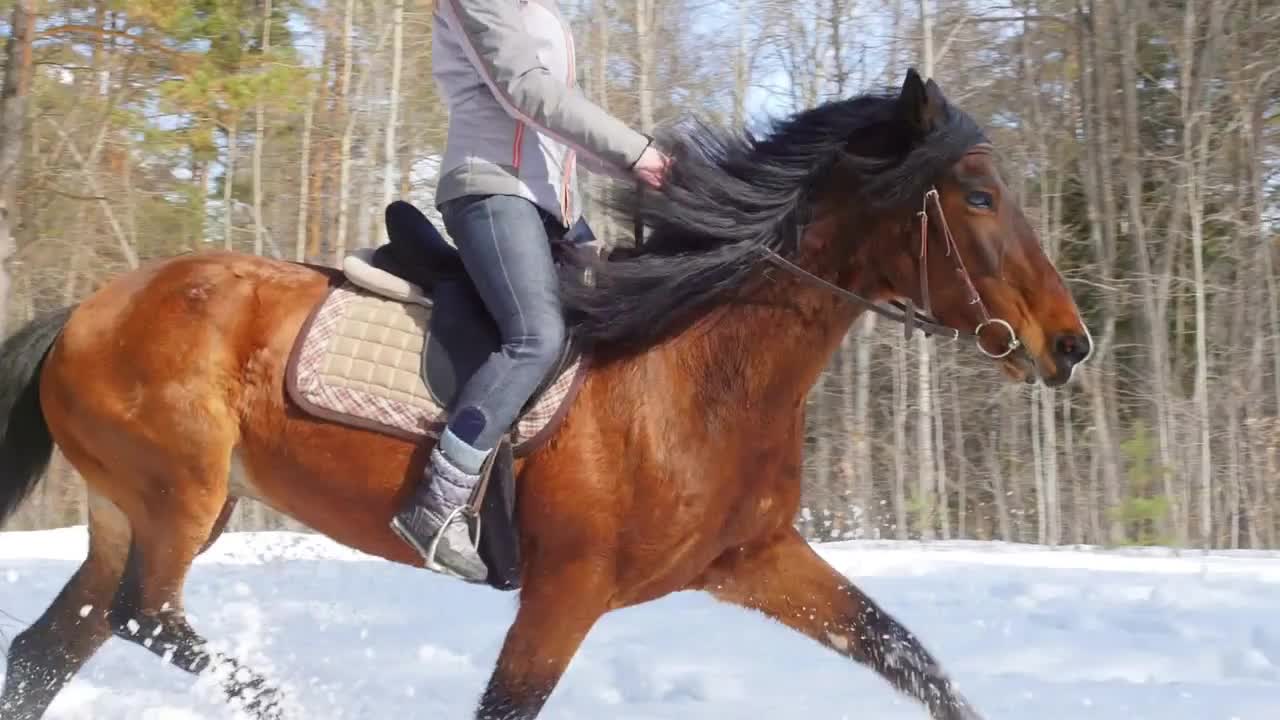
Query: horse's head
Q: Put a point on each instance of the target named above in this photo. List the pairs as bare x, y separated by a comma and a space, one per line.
955, 243
836, 195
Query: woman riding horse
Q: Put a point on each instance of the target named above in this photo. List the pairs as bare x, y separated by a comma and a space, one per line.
517, 126
677, 466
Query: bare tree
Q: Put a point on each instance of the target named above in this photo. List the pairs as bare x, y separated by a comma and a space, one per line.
393, 95
259, 139
13, 134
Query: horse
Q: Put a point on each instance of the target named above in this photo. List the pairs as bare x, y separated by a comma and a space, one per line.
677, 466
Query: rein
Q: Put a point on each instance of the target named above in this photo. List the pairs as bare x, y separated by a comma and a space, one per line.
910, 318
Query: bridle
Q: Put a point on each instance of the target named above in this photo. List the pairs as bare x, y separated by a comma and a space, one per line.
910, 318
906, 313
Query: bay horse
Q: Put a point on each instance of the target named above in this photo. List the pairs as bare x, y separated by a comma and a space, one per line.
678, 466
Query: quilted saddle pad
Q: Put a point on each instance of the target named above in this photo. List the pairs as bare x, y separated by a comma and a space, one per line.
358, 361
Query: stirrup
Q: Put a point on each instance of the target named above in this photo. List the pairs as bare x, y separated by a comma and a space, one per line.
428, 553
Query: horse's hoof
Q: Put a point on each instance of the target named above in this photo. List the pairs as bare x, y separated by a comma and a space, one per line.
265, 705
960, 710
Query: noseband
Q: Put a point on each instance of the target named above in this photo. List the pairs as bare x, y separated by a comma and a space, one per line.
910, 318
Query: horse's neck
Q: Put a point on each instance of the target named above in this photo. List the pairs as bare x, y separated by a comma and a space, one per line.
770, 349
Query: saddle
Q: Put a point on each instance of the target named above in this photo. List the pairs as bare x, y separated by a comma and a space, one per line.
418, 265
400, 331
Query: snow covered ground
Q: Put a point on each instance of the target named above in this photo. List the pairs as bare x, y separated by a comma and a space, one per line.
1030, 633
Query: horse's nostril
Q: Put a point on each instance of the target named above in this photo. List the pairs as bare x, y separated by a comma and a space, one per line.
1073, 348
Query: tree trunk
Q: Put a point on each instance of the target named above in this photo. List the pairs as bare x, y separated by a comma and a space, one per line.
1109, 462
741, 67
841, 70
365, 166
924, 421
644, 72
199, 181
926, 38
1254, 440
304, 178
1043, 397
259, 138
861, 436
13, 136
344, 150
940, 443
601, 72
851, 488
1015, 450
1079, 491
998, 484
1049, 431
393, 112
228, 182
961, 462
321, 162
1266, 250
1236, 477
926, 501
900, 438
1153, 308
1095, 91
1096, 493
1195, 155
1037, 469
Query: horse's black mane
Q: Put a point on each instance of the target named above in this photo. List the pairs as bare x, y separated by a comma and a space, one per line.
731, 197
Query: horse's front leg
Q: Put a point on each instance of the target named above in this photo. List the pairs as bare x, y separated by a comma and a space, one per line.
557, 610
786, 580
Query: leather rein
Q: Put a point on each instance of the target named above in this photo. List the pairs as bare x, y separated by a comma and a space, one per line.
910, 318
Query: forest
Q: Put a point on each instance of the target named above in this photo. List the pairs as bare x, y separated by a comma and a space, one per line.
1141, 136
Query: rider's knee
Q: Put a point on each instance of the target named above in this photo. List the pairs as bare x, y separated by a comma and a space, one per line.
543, 345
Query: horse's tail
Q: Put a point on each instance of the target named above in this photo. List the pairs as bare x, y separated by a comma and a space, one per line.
25, 443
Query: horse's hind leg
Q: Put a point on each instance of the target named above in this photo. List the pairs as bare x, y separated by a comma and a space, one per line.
45, 656
148, 610
786, 580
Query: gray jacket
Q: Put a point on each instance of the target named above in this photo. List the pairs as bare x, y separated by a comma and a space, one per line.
519, 125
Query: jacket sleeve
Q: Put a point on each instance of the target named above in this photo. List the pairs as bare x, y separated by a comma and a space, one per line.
594, 165
495, 41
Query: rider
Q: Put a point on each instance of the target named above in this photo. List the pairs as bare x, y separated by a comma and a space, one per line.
518, 125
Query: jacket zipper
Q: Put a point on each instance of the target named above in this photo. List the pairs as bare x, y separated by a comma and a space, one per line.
517, 152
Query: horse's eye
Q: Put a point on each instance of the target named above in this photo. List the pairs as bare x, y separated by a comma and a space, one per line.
980, 199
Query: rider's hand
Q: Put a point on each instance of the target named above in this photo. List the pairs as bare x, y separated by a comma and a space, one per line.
652, 167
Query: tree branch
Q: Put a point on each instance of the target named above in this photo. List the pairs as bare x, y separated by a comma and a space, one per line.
130, 255
184, 60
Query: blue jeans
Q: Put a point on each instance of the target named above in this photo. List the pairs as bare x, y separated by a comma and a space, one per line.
505, 244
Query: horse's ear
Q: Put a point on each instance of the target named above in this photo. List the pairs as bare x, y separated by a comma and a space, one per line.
921, 105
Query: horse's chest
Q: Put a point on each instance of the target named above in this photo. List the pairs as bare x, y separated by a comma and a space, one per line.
766, 493
693, 513
732, 490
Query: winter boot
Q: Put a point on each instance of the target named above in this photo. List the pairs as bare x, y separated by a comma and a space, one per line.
437, 520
